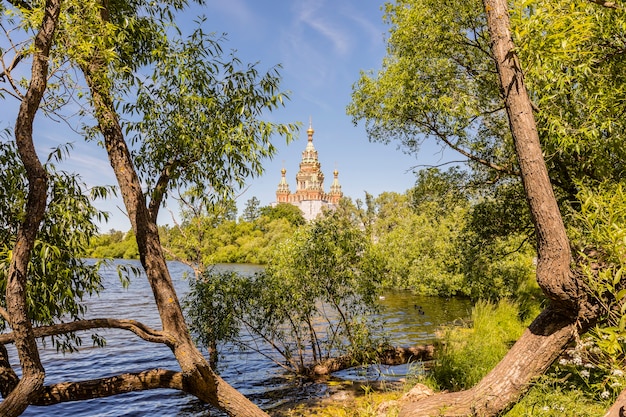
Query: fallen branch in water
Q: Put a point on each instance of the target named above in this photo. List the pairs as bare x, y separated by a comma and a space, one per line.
389, 356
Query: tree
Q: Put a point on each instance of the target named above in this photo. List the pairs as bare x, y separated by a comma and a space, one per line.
446, 189
419, 244
567, 313
310, 304
284, 211
251, 211
234, 135
16, 314
439, 81
199, 127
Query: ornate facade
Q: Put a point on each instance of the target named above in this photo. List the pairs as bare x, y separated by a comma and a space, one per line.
309, 196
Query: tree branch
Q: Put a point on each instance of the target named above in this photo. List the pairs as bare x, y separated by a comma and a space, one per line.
107, 387
390, 356
473, 157
140, 329
160, 188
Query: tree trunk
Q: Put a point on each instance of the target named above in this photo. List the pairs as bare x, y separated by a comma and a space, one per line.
556, 326
33, 373
198, 377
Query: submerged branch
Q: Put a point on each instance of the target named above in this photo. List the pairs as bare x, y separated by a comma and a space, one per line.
390, 356
107, 387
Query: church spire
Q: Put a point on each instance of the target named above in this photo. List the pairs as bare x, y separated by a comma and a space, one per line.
309, 155
282, 193
335, 188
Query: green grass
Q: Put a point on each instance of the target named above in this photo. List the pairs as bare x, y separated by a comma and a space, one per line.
546, 399
466, 354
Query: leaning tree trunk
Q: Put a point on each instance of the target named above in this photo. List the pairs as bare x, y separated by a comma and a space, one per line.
198, 377
569, 312
32, 370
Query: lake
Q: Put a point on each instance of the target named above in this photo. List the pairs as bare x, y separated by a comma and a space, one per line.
409, 319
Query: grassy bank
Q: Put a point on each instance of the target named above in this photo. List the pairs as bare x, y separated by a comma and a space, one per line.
465, 354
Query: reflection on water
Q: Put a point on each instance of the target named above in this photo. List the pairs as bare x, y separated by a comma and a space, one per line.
409, 320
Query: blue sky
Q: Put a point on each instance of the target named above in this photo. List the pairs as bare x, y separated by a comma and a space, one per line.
322, 46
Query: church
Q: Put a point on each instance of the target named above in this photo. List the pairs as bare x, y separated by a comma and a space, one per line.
309, 197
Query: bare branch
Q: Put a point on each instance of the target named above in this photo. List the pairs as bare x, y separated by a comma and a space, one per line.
161, 187
140, 329
389, 356
471, 156
443, 164
11, 67
107, 387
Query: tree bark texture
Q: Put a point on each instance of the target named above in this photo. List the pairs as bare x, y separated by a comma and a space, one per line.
33, 373
198, 377
553, 250
556, 326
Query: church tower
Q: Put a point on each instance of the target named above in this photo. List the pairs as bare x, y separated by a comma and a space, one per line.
282, 193
309, 195
335, 193
309, 180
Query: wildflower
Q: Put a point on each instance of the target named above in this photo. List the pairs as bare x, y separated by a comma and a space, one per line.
584, 373
577, 360
563, 361
588, 343
604, 395
617, 372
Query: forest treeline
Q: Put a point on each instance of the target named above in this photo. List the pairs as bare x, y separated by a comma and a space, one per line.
446, 236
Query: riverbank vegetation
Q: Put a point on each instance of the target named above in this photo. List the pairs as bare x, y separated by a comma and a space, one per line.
530, 93
465, 355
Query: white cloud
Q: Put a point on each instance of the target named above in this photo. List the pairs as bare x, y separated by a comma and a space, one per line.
314, 15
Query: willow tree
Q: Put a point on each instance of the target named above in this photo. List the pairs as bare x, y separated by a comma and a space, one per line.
453, 74
194, 122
